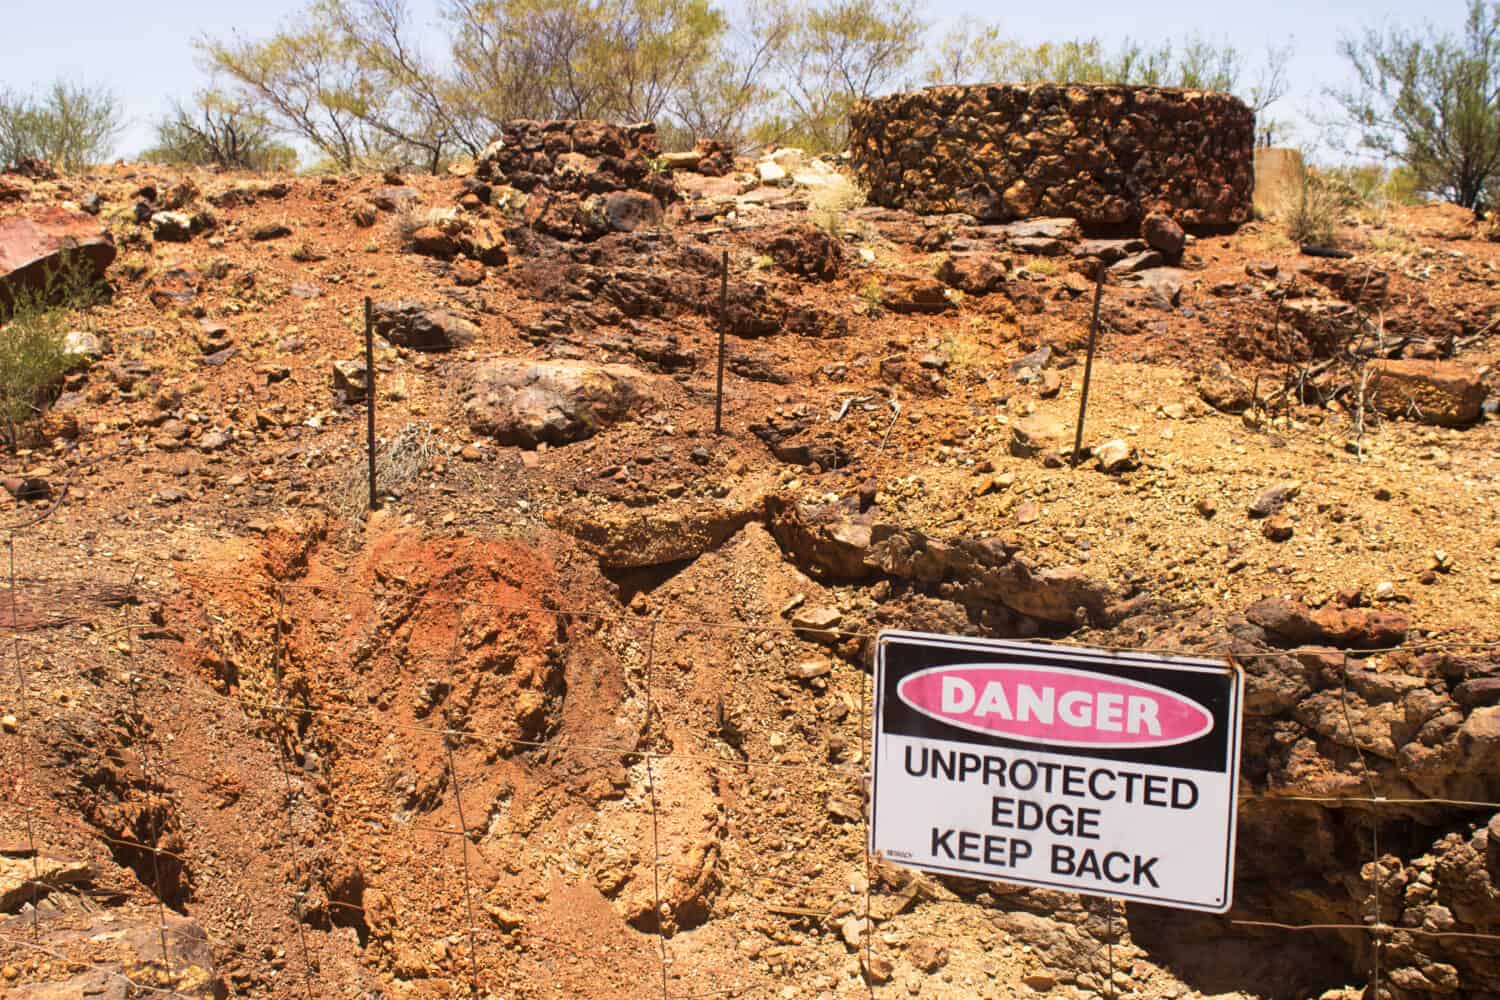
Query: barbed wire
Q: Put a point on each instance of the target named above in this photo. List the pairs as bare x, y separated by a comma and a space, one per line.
25, 791
625, 616
369, 716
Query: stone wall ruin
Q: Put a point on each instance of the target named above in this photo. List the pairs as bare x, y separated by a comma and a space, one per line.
582, 178
1104, 155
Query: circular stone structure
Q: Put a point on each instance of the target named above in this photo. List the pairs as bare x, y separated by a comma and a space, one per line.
1104, 155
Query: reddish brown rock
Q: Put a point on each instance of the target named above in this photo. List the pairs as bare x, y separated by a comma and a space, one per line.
1359, 284
805, 250
1162, 233
1294, 623
176, 286
468, 272
420, 326
431, 241
973, 273
715, 159
364, 214
1104, 155
33, 246
913, 294
1433, 392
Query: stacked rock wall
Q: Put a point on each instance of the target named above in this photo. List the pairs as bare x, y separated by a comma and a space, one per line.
1105, 155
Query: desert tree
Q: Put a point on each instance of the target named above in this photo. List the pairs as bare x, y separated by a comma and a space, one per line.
299, 79
723, 97
394, 91
653, 49
630, 60
837, 53
218, 131
1430, 99
68, 125
522, 59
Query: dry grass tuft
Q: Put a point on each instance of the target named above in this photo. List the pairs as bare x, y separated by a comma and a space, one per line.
399, 461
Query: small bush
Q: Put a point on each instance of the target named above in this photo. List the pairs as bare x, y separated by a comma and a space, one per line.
399, 462
1372, 185
32, 363
828, 207
1312, 212
32, 359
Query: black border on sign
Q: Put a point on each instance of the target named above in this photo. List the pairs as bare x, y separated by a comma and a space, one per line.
1074, 654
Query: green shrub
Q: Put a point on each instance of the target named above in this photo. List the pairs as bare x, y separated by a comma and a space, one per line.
32, 359
1371, 185
32, 363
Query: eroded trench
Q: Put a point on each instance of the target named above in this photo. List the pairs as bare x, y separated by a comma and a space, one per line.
516, 683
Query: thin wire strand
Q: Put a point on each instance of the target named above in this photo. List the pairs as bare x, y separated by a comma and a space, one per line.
153, 782
784, 626
458, 804
350, 714
1378, 929
61, 957
661, 934
284, 739
1364, 768
1368, 929
27, 792
463, 841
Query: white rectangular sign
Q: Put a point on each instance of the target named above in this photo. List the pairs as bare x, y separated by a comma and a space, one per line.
1111, 774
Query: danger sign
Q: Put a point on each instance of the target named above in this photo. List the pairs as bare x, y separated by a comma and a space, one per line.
1112, 774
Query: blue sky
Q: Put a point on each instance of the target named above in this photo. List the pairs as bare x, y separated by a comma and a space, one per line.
144, 52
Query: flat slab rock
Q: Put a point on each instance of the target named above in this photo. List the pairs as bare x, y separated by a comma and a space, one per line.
21, 878
1433, 392
110, 950
32, 246
524, 402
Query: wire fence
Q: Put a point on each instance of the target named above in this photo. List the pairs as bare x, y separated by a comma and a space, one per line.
798, 874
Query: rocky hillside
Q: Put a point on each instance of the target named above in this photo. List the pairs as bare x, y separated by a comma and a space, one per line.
581, 710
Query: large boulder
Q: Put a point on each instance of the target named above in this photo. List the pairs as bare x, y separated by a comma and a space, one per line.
420, 326
1434, 392
35, 246
832, 544
524, 402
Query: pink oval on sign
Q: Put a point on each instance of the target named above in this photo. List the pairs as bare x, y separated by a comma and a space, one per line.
1055, 705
